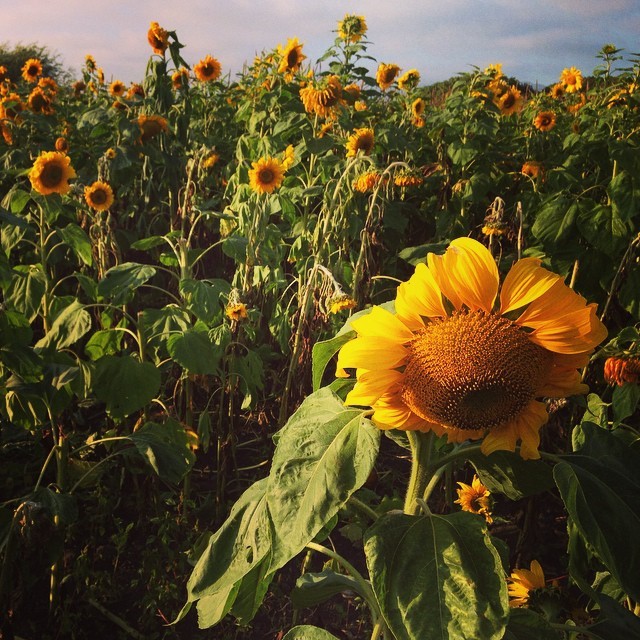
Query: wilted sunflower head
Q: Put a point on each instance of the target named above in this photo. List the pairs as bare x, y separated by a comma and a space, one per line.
323, 98
208, 69
292, 57
62, 145
266, 175
51, 172
180, 78
571, 79
158, 38
39, 102
367, 181
533, 169
32, 70
409, 80
545, 121
621, 370
360, 140
351, 28
151, 126
386, 74
99, 196
49, 85
468, 359
407, 178
236, 311
341, 302
135, 91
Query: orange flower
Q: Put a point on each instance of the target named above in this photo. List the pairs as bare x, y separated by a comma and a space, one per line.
622, 370
386, 74
207, 70
32, 69
545, 121
158, 38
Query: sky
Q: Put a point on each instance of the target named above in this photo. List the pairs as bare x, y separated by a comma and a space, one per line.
532, 39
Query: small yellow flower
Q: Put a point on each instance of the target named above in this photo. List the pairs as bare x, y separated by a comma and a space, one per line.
340, 303
266, 175
236, 311
522, 582
571, 79
474, 498
99, 196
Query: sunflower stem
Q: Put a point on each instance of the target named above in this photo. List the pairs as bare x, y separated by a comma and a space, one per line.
421, 447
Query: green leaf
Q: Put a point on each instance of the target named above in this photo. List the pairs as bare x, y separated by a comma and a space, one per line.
26, 290
120, 281
618, 623
193, 351
416, 255
604, 229
124, 384
437, 577
144, 244
322, 353
506, 472
203, 297
105, 342
62, 505
625, 401
68, 327
76, 238
324, 453
555, 222
251, 592
166, 448
602, 497
240, 544
525, 624
314, 588
211, 609
308, 632
629, 294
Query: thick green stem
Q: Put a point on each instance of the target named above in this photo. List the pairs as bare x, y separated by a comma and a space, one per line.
421, 447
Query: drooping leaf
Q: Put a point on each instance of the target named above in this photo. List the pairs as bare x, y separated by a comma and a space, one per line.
68, 327
193, 351
437, 577
203, 297
120, 281
26, 290
76, 238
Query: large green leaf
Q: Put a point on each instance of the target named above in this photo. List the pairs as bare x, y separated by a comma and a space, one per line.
601, 492
555, 222
124, 384
76, 238
314, 588
193, 351
437, 577
322, 353
506, 472
203, 297
70, 325
26, 290
525, 624
166, 448
308, 632
603, 228
120, 281
238, 546
324, 453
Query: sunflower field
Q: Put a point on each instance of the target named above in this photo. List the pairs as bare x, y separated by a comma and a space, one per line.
319, 352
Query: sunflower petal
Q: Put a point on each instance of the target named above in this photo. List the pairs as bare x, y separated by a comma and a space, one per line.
384, 324
371, 385
525, 282
419, 297
371, 352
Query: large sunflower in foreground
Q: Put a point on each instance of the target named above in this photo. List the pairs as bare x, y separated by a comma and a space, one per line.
99, 196
51, 172
460, 360
266, 175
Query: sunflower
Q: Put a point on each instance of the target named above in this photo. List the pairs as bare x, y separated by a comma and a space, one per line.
351, 28
117, 88
288, 157
351, 93
571, 79
557, 91
292, 58
99, 196
78, 87
474, 498
533, 169
341, 302
495, 229
510, 101
417, 108
207, 70
522, 582
409, 80
456, 360
49, 85
5, 131
324, 98
135, 91
545, 121
151, 126
622, 370
386, 74
494, 71
62, 145
4, 73
360, 140
211, 160
180, 78
407, 178
576, 106
158, 38
236, 311
51, 172
39, 102
90, 62
32, 69
266, 175
367, 181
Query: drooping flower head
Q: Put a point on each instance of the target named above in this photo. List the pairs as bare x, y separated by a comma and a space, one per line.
99, 196
360, 140
523, 582
40, 102
341, 302
409, 80
351, 28
571, 79
475, 498
466, 358
621, 370
533, 169
51, 173
151, 126
323, 98
266, 175
158, 38
386, 74
11, 107
180, 78
135, 91
90, 62
208, 69
32, 70
236, 311
292, 58
407, 178
211, 160
367, 181
62, 145
545, 121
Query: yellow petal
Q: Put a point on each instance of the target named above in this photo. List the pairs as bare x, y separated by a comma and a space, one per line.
391, 413
419, 297
382, 323
467, 274
537, 575
369, 352
525, 282
373, 384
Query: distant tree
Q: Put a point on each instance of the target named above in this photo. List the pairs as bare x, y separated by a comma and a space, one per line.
14, 57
